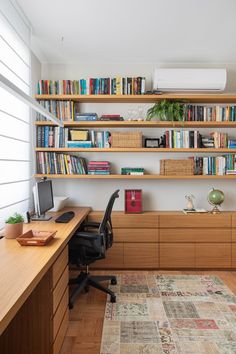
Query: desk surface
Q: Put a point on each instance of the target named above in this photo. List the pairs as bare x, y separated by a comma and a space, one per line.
21, 268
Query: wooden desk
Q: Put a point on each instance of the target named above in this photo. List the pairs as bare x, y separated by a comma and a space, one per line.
31, 283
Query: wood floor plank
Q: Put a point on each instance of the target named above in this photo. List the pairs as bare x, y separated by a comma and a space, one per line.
86, 318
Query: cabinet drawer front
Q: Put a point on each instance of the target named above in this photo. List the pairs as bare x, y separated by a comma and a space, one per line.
141, 255
61, 333
233, 255
135, 235
233, 235
195, 235
60, 288
122, 220
234, 220
58, 317
59, 266
177, 255
114, 257
217, 255
196, 220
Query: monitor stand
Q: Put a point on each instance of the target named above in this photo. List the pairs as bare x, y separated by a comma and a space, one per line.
42, 217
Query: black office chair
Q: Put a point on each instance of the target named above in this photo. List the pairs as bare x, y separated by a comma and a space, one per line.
89, 245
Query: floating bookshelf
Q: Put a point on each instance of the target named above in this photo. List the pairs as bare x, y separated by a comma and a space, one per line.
142, 124
146, 150
193, 98
126, 177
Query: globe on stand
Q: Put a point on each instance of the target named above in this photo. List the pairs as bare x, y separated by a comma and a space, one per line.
216, 198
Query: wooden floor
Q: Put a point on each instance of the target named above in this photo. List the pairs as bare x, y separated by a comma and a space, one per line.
86, 318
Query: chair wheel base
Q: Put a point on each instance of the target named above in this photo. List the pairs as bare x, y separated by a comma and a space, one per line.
113, 299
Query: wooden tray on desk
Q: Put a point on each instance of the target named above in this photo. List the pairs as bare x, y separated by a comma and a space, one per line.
35, 238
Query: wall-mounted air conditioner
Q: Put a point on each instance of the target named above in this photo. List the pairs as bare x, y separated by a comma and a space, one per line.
190, 80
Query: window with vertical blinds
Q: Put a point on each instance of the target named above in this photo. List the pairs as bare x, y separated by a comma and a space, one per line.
15, 160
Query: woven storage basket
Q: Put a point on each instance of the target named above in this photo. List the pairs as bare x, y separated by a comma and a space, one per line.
177, 167
126, 139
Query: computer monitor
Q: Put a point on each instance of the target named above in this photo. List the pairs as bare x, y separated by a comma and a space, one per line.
43, 200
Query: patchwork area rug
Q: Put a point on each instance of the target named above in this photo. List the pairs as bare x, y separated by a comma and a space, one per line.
177, 314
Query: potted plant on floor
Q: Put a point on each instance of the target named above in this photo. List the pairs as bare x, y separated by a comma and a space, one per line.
167, 110
14, 226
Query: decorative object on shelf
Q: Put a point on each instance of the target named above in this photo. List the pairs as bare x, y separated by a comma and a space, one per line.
133, 201
152, 143
215, 198
167, 110
190, 203
126, 139
14, 226
169, 167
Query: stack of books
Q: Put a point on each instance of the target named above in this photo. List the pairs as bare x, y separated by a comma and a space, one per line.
85, 116
231, 143
111, 117
133, 171
99, 168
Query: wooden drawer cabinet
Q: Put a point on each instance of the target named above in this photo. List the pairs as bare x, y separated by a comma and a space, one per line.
217, 255
59, 266
177, 255
60, 289
61, 333
60, 312
195, 235
146, 220
195, 221
135, 235
171, 240
141, 255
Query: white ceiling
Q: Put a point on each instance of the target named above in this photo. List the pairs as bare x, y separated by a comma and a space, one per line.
133, 30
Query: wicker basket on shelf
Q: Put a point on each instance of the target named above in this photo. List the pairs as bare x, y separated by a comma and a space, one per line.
126, 139
170, 167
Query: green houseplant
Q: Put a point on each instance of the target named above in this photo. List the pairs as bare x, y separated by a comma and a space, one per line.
167, 110
14, 226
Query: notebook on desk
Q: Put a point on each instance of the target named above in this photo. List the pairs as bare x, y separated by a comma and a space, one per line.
194, 211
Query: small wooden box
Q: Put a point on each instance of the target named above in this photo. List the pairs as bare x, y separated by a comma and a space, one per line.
35, 238
133, 201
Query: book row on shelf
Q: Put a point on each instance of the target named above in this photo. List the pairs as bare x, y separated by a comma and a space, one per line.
56, 137
94, 86
58, 163
193, 139
210, 113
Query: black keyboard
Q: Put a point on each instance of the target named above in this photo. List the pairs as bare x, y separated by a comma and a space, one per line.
65, 217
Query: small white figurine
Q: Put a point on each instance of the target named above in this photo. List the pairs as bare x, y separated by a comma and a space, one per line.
190, 205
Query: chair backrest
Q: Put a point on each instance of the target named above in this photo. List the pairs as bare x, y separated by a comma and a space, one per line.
105, 227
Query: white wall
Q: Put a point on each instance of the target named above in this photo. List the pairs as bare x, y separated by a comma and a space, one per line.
158, 195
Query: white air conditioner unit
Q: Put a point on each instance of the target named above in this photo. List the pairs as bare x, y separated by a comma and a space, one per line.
190, 80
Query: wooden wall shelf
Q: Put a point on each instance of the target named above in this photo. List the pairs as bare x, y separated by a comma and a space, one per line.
146, 150
126, 177
142, 124
196, 98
